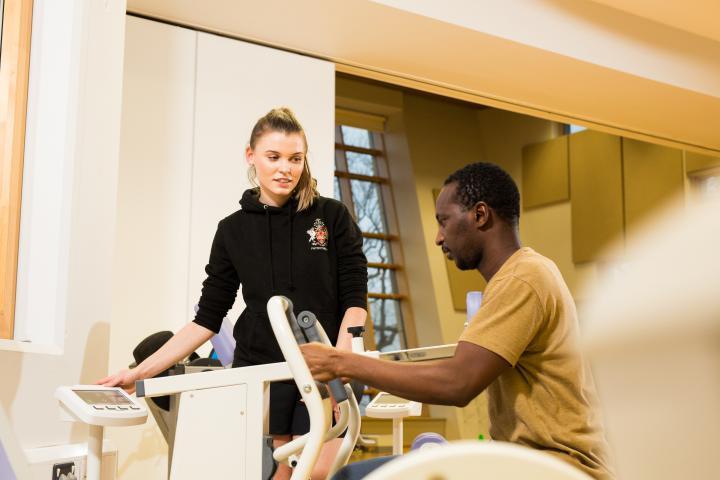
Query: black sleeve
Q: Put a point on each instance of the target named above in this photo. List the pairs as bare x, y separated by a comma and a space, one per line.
351, 262
219, 288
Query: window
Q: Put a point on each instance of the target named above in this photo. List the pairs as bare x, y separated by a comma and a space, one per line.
570, 129
14, 68
705, 184
362, 184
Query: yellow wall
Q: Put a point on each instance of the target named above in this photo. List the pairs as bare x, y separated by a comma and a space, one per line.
427, 139
442, 137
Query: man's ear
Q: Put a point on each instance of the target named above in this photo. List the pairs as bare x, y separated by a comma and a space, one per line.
481, 212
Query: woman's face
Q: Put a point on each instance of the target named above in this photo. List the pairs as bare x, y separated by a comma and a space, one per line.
279, 159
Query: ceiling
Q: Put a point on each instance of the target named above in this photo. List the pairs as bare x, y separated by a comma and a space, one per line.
617, 66
701, 17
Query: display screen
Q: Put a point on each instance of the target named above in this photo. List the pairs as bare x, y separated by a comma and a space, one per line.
389, 399
105, 397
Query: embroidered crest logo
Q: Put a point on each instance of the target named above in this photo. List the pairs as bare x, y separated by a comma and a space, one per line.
318, 235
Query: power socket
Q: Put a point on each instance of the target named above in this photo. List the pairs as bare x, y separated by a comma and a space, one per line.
65, 471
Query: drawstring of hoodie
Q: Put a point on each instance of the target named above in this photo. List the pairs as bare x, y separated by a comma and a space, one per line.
269, 232
290, 239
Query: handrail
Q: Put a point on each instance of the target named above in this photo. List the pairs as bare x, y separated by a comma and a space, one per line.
290, 331
353, 419
280, 311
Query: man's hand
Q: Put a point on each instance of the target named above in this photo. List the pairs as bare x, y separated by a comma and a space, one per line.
323, 361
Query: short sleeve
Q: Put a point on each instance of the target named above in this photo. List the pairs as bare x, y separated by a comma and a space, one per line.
508, 319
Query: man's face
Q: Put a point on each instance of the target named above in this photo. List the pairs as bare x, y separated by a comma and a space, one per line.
456, 230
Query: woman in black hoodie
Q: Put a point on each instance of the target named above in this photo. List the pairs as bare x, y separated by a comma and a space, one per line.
284, 240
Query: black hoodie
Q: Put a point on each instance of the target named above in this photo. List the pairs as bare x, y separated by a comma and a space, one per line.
313, 257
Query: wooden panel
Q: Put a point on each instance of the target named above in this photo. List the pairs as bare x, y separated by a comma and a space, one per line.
695, 162
545, 175
14, 70
461, 281
652, 175
596, 192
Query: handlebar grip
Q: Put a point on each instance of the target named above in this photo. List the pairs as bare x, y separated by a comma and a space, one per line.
307, 321
337, 390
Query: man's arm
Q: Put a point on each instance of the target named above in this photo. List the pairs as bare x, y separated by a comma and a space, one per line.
451, 381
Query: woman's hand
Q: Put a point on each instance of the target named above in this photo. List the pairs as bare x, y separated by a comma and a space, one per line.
336, 409
125, 378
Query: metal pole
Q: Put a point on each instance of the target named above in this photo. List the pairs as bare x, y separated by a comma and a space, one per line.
94, 453
397, 436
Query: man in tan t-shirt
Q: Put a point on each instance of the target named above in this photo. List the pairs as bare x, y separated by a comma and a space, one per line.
521, 344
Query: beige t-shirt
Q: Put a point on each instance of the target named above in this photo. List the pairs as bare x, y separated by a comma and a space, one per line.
548, 400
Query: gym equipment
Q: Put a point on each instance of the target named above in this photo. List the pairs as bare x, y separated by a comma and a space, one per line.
420, 354
99, 407
473, 300
472, 459
230, 406
13, 464
390, 406
428, 440
224, 343
385, 405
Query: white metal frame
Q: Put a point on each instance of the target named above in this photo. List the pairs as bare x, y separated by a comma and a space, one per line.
474, 459
223, 415
74, 409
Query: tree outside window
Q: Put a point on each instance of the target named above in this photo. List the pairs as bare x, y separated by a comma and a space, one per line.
362, 183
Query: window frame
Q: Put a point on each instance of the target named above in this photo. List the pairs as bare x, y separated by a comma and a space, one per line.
697, 178
14, 79
383, 180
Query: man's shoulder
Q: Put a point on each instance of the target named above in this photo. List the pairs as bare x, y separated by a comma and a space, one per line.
526, 262
533, 269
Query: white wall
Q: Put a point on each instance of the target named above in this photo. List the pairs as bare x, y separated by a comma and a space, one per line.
152, 241
237, 83
189, 104
68, 213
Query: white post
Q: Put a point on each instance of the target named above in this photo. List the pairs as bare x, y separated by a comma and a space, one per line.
397, 436
357, 345
94, 453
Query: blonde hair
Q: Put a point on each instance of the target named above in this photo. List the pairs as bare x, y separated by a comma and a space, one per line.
283, 120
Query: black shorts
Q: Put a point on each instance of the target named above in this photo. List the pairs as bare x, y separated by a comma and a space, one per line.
288, 414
